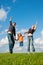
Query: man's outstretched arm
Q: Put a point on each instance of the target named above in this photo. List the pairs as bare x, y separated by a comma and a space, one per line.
11, 20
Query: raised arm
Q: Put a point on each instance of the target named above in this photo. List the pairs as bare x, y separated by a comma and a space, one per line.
10, 20
25, 32
35, 26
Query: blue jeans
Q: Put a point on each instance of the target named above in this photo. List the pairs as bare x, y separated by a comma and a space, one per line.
30, 41
11, 42
21, 44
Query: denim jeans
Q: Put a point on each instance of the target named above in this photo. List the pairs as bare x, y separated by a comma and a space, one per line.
30, 41
21, 44
11, 42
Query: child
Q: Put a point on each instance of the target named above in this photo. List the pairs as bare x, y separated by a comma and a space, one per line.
20, 38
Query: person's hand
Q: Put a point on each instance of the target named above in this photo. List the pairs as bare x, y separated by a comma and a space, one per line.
14, 37
11, 18
24, 32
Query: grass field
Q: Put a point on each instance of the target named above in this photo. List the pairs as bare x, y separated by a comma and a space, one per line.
21, 59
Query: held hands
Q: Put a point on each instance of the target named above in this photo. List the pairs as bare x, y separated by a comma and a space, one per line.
14, 37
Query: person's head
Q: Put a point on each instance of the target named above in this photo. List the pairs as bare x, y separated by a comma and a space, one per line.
33, 26
19, 34
14, 24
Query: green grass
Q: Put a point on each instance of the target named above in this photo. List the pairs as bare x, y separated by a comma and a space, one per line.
21, 59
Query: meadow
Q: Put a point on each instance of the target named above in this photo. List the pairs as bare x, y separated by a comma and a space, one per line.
21, 59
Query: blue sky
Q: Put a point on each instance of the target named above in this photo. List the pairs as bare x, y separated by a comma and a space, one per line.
25, 13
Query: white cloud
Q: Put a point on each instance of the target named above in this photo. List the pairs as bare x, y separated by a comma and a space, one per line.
3, 14
4, 45
42, 33
40, 39
39, 42
19, 49
4, 40
0, 26
4, 32
22, 31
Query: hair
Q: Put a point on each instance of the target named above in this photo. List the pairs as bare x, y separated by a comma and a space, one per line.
33, 26
14, 23
20, 34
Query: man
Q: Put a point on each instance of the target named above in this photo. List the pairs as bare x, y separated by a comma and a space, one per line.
30, 37
11, 35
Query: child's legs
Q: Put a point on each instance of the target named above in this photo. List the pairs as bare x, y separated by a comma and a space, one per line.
21, 43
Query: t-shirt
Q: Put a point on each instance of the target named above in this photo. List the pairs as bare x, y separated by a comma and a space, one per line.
31, 31
20, 38
12, 29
